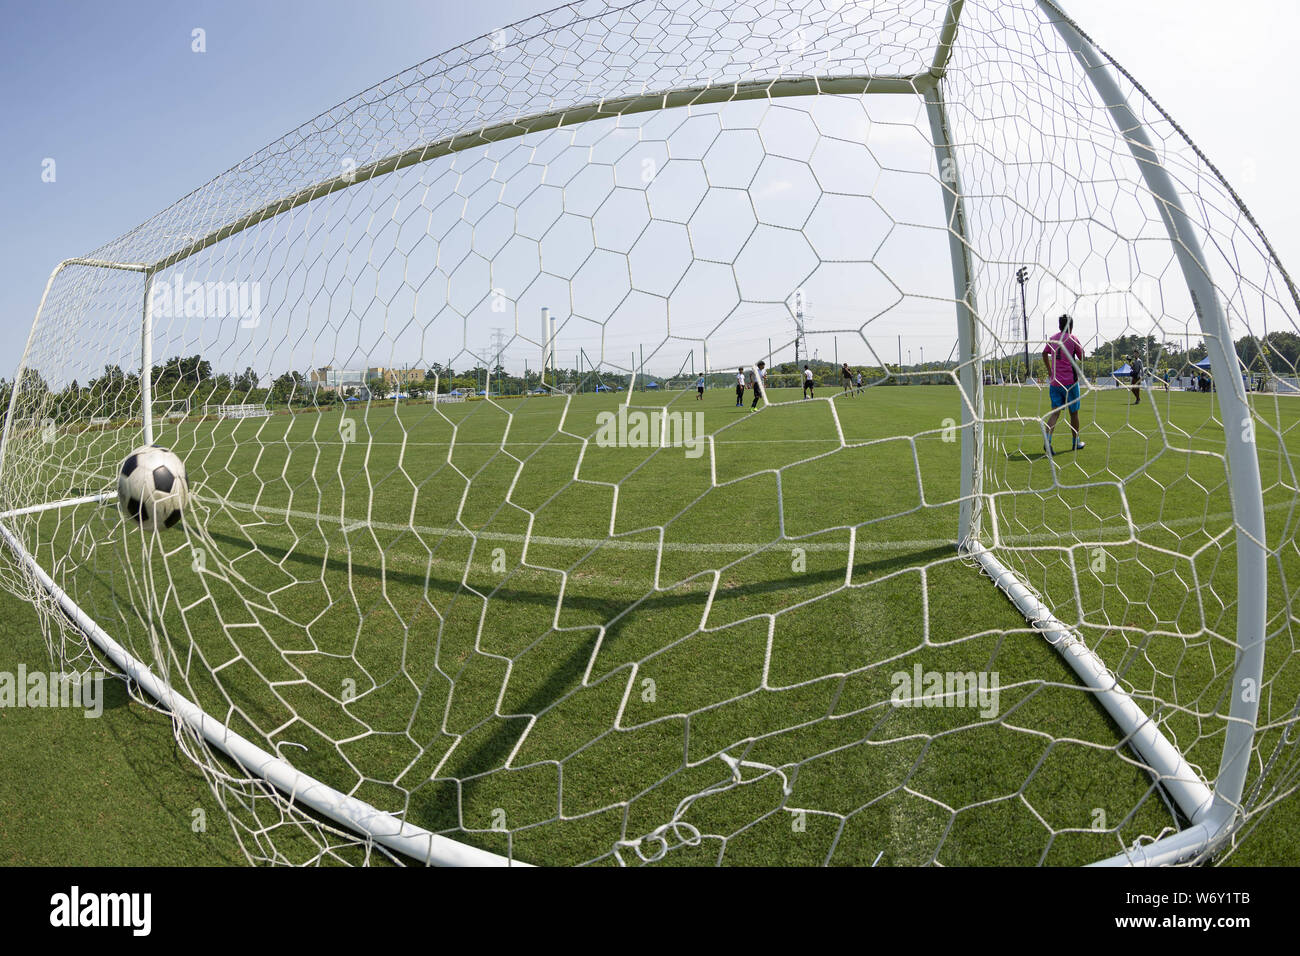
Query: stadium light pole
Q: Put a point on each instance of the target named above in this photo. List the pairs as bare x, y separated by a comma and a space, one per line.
1022, 277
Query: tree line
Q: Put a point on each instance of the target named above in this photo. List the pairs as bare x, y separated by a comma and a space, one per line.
115, 392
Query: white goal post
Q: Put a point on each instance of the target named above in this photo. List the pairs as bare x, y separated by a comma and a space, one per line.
1211, 800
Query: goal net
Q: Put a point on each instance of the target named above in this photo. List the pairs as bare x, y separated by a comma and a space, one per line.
625, 621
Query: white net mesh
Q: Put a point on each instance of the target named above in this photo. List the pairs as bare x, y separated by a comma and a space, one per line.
589, 616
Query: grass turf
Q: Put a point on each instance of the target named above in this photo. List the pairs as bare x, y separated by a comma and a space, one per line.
371, 600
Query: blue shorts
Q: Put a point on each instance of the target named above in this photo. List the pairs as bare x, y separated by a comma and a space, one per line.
1065, 394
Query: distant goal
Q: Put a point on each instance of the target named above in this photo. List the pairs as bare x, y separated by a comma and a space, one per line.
243, 410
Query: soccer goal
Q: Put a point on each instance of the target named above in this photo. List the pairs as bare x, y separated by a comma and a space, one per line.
902, 629
238, 410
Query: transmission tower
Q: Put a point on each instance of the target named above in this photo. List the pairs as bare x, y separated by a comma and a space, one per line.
498, 346
800, 342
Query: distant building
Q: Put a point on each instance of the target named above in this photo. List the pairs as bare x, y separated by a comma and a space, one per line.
397, 376
331, 379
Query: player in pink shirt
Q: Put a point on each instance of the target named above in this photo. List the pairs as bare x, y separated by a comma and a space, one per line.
1061, 357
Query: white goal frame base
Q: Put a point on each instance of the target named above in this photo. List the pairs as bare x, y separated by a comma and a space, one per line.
384, 828
1188, 790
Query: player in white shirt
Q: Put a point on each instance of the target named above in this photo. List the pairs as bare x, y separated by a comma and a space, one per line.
807, 382
740, 388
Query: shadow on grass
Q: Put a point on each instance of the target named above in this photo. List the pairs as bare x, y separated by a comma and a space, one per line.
434, 806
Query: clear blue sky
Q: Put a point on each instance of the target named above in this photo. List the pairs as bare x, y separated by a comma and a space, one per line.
134, 119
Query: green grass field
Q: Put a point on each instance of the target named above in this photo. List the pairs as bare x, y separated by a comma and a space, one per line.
476, 617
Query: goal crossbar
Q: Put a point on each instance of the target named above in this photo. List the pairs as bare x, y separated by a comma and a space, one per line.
702, 95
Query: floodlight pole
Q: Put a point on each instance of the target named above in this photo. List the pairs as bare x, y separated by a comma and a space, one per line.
1022, 277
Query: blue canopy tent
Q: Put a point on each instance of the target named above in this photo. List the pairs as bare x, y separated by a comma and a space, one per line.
1203, 363
1125, 369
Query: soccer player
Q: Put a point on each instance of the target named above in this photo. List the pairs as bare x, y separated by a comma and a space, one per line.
740, 388
699, 389
859, 380
1059, 358
1135, 365
808, 383
757, 380
846, 379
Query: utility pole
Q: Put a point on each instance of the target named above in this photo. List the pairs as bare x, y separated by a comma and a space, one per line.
1022, 277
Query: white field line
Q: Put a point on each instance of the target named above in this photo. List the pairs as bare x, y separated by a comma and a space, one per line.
649, 446
1118, 533
1115, 533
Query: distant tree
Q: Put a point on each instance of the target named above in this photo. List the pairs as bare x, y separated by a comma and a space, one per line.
32, 387
1278, 352
289, 387
245, 381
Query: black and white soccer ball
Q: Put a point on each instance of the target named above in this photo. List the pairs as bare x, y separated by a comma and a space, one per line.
152, 490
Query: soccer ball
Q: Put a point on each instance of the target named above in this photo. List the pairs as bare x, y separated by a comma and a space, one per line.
152, 489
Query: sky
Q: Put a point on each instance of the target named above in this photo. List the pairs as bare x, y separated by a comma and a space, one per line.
134, 119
